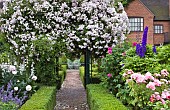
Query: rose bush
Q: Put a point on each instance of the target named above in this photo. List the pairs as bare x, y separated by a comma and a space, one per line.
110, 67
149, 91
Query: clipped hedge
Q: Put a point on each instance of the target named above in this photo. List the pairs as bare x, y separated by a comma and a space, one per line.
81, 73
64, 68
61, 79
100, 99
43, 99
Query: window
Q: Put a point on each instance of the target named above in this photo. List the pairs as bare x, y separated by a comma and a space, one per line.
136, 24
158, 28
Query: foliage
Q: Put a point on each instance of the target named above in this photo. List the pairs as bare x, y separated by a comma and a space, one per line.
110, 68
147, 63
82, 59
100, 99
44, 98
64, 59
8, 106
46, 63
124, 2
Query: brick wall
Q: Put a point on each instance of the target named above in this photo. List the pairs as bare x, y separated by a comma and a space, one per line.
137, 9
159, 38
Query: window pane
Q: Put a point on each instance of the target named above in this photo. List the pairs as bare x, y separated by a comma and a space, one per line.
158, 29
136, 24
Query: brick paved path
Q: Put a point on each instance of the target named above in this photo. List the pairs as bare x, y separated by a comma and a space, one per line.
72, 95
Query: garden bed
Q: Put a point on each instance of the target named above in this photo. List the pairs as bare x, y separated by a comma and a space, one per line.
100, 99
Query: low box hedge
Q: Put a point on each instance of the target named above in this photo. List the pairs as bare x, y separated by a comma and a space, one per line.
60, 79
64, 68
100, 99
43, 99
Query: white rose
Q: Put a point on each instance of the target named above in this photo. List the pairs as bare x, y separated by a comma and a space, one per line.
15, 88
14, 72
12, 68
28, 87
34, 78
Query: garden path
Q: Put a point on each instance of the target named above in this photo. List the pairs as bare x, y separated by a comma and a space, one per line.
72, 95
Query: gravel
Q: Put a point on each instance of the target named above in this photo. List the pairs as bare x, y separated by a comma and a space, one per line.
72, 95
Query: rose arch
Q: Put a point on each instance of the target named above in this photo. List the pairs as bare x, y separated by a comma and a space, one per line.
88, 26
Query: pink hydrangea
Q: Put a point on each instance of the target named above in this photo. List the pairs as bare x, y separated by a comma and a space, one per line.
148, 75
151, 85
109, 50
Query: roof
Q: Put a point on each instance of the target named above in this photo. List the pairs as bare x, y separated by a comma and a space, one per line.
160, 8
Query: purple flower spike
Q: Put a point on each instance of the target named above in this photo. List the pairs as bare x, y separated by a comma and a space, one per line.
144, 39
154, 49
141, 49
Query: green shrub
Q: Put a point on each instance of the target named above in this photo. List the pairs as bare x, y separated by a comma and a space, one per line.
43, 99
100, 99
82, 72
64, 69
45, 66
60, 79
110, 68
82, 59
64, 59
8, 106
